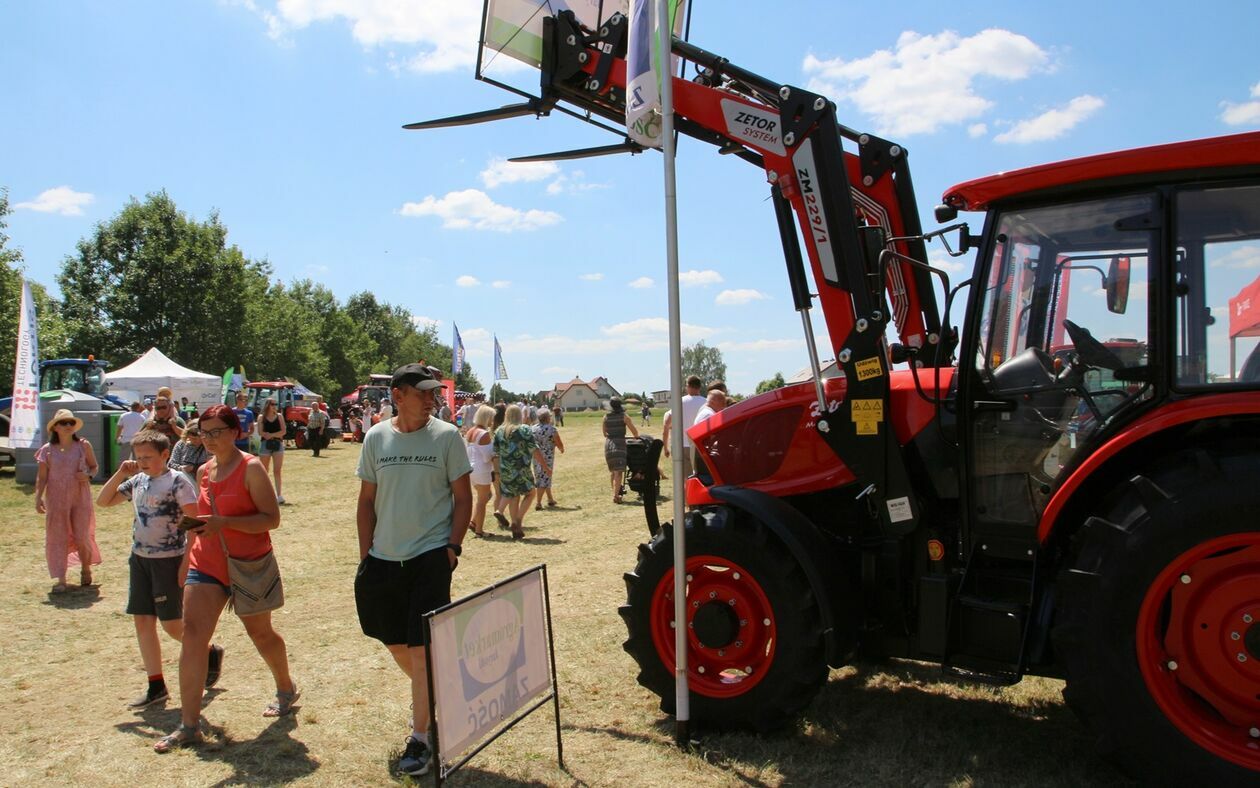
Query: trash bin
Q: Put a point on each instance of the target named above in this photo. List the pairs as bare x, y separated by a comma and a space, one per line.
94, 431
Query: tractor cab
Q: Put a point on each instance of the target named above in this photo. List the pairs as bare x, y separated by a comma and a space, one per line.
84, 375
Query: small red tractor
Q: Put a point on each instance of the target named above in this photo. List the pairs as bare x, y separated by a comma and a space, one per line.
296, 411
1007, 497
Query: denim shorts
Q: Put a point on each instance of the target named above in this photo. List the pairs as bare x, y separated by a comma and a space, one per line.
201, 578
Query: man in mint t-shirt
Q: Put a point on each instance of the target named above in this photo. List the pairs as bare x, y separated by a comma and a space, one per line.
415, 501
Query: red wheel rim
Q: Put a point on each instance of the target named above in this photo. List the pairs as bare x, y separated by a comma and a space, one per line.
1198, 634
737, 666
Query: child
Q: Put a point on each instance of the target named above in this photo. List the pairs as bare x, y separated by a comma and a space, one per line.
161, 497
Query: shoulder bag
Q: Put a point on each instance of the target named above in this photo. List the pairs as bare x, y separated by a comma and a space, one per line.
256, 584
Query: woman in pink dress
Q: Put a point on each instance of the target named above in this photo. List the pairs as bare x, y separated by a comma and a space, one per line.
63, 493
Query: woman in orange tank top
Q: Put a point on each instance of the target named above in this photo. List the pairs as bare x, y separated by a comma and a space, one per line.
235, 499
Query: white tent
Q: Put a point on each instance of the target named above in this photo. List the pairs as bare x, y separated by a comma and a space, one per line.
147, 374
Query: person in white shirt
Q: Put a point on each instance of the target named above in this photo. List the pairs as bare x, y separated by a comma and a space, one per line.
128, 425
692, 401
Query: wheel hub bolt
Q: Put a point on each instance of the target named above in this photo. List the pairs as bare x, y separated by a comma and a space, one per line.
1172, 664
1185, 579
731, 602
739, 644
735, 576
1234, 636
721, 652
1246, 618
712, 595
765, 621
748, 669
700, 669
743, 622
688, 578
1242, 657
1255, 733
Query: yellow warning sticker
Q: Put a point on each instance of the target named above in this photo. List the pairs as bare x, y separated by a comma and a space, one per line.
869, 368
866, 415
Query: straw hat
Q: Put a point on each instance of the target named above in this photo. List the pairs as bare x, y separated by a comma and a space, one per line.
63, 415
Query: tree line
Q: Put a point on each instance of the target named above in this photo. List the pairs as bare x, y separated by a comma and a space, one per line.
152, 276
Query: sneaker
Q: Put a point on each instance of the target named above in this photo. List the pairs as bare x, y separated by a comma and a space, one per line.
156, 693
279, 499
214, 664
415, 758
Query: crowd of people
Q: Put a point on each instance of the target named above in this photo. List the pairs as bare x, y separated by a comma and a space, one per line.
205, 500
204, 507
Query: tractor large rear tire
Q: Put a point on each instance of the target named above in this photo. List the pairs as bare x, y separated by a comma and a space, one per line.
756, 654
1158, 627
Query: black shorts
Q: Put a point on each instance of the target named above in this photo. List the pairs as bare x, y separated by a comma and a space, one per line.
154, 588
393, 596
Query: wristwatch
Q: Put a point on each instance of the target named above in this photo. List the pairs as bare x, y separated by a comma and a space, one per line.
458, 550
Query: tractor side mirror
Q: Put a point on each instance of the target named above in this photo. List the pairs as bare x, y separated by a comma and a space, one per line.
1117, 285
945, 213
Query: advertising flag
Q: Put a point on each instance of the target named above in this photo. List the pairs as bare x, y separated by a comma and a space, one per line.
643, 84
25, 431
500, 371
457, 353
227, 384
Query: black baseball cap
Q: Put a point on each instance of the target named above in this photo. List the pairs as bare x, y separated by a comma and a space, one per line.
416, 375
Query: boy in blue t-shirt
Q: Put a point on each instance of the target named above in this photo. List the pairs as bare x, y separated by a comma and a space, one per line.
246, 417
161, 497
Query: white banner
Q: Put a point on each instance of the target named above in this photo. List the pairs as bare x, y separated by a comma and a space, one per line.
489, 657
25, 431
514, 27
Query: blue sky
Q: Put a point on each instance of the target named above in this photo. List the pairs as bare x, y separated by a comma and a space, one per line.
285, 118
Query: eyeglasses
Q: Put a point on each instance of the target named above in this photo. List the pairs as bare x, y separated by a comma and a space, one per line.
212, 434
67, 423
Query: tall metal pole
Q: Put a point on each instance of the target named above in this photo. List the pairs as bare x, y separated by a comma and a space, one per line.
664, 67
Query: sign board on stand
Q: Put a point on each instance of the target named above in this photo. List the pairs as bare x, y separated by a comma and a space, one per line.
491, 663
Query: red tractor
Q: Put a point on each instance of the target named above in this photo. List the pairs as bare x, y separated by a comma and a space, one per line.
935, 511
296, 410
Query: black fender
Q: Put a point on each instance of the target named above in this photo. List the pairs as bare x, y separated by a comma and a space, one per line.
807, 546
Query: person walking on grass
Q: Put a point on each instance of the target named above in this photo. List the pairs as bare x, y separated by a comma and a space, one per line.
615, 424
415, 502
63, 494
245, 417
481, 456
316, 423
161, 496
271, 429
237, 506
548, 440
514, 447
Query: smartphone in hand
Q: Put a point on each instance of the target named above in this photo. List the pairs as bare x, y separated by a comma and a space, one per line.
190, 523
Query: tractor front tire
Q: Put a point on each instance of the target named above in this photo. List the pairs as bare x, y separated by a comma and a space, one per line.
1158, 627
755, 654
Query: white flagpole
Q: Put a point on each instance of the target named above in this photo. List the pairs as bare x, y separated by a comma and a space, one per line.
664, 68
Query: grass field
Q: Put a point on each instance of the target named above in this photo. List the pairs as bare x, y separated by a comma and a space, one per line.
69, 663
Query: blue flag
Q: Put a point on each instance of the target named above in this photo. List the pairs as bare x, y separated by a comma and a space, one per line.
500, 371
457, 353
643, 82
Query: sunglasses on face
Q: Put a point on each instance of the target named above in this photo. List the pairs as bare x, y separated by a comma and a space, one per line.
66, 423
212, 434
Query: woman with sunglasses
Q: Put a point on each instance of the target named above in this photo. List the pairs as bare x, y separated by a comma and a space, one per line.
63, 494
236, 501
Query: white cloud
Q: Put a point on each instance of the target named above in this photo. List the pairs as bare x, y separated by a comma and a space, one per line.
696, 278
573, 183
591, 277
500, 284
1248, 112
977, 130
1054, 123
421, 321
501, 171
473, 209
1242, 257
467, 281
60, 199
738, 297
927, 82
642, 283
446, 34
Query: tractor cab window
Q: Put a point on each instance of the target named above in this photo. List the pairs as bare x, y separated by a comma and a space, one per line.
68, 378
94, 381
1061, 342
1217, 294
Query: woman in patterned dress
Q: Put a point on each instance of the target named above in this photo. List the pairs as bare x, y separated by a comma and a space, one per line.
616, 423
513, 447
63, 494
548, 440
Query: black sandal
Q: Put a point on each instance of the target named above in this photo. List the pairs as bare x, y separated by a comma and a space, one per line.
183, 736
